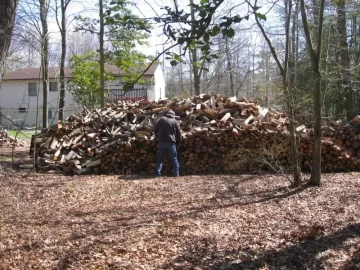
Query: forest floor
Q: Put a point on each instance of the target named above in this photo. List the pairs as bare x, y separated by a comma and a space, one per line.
50, 221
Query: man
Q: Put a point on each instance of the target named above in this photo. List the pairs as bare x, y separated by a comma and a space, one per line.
168, 136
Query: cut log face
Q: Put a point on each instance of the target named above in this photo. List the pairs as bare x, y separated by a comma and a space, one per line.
226, 117
219, 134
54, 143
247, 121
72, 154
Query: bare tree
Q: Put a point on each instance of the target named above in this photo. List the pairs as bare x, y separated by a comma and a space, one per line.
62, 27
34, 14
101, 52
294, 45
315, 57
44, 9
80, 43
25, 46
288, 88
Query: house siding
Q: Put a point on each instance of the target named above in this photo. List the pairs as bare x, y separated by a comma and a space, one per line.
14, 95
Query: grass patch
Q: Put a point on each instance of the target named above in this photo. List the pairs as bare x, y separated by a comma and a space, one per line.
5, 159
22, 134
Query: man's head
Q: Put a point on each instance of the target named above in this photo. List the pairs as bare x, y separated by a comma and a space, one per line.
170, 114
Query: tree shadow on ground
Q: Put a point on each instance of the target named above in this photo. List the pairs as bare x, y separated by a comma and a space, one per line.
116, 220
303, 255
145, 176
125, 218
14, 158
222, 199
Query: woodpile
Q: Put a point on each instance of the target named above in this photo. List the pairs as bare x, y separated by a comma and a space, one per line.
219, 134
7, 141
341, 146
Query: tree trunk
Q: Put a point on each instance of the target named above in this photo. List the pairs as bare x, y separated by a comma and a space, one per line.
294, 46
181, 75
229, 67
8, 11
289, 91
195, 65
355, 51
190, 76
315, 178
62, 61
344, 59
44, 59
196, 72
315, 18
253, 70
267, 77
315, 57
324, 83
101, 51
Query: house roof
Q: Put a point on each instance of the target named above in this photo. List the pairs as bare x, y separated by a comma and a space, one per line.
34, 73
54, 72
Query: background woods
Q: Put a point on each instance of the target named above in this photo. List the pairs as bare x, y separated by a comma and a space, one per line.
244, 66
221, 48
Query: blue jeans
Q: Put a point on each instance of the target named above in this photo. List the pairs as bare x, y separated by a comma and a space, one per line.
170, 148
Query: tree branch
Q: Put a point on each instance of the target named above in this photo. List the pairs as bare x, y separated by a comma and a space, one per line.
153, 61
273, 52
307, 33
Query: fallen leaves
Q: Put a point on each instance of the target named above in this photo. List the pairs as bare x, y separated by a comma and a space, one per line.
194, 222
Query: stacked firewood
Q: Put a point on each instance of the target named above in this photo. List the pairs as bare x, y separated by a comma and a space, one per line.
7, 141
340, 146
219, 134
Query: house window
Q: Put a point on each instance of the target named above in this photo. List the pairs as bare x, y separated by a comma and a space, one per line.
50, 114
53, 87
32, 89
22, 110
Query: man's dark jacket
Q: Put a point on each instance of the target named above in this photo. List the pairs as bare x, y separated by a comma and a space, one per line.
167, 128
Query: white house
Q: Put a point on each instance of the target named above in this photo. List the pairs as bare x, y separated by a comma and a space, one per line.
21, 93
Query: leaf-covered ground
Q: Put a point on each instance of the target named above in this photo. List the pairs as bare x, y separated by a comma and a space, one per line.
196, 222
